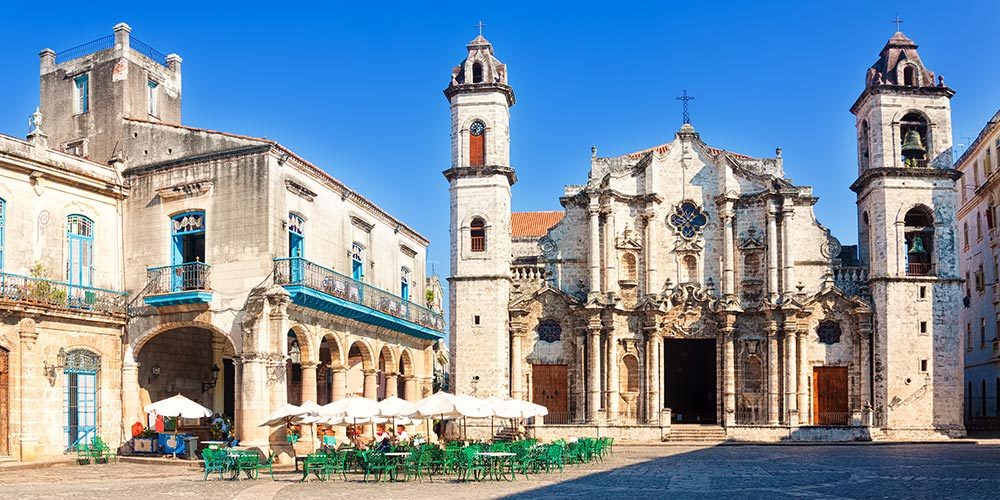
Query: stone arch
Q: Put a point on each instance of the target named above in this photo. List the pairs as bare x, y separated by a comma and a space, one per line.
387, 358
364, 352
901, 215
136, 344
306, 339
334, 347
405, 365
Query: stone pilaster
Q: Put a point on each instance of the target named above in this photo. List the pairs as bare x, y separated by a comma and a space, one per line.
308, 381
371, 384
339, 389
648, 247
218, 392
729, 372
254, 402
131, 412
593, 372
728, 274
594, 255
787, 216
391, 385
772, 253
773, 373
805, 416
516, 361
28, 444
791, 375
581, 370
612, 367
610, 257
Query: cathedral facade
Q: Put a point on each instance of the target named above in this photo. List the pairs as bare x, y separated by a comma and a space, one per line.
689, 284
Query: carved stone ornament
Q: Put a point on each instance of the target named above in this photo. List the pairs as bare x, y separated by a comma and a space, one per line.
828, 332
830, 248
548, 247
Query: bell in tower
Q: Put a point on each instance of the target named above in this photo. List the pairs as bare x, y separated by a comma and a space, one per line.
913, 147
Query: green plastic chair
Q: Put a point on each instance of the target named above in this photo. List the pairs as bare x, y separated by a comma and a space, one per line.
316, 464
83, 454
215, 461
266, 466
471, 464
246, 463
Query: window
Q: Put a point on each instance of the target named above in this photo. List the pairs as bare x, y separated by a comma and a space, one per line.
188, 257
357, 261
629, 272
404, 283
919, 241
151, 94
864, 142
968, 336
828, 332
982, 333
688, 219
477, 232
988, 163
477, 144
81, 94
923, 366
922, 293
549, 330
690, 269
3, 215
968, 284
989, 216
909, 76
980, 281
296, 246
80, 397
477, 72
979, 226
475, 320
923, 327
965, 234
80, 258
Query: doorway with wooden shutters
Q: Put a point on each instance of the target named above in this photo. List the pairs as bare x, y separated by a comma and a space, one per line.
830, 396
4, 401
549, 386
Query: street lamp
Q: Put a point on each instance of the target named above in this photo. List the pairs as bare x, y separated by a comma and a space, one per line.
212, 380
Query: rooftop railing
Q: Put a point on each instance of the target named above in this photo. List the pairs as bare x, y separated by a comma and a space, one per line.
108, 42
299, 271
42, 291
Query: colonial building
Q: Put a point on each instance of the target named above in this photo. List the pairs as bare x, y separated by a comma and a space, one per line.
980, 264
686, 283
248, 276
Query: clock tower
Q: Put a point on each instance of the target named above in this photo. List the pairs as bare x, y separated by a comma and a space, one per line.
480, 181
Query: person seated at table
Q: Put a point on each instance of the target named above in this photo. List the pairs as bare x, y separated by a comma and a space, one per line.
402, 437
381, 439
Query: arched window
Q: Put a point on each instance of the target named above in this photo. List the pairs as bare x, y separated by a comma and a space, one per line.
629, 271
965, 234
864, 142
549, 330
477, 144
909, 76
629, 374
80, 258
919, 241
477, 72
477, 231
404, 283
690, 269
357, 261
80, 396
865, 241
3, 217
751, 266
913, 147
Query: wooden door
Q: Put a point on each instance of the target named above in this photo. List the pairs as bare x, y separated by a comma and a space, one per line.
830, 396
4, 401
549, 385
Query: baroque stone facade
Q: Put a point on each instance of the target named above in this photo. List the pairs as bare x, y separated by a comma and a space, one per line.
685, 283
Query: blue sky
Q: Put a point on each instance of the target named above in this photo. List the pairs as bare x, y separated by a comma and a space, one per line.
356, 87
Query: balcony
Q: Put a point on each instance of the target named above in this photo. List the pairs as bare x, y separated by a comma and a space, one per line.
314, 286
28, 290
919, 269
180, 284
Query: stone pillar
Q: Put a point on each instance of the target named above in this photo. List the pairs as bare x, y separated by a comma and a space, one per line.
729, 377
410, 388
371, 384
658, 372
593, 373
805, 416
773, 371
594, 257
648, 247
27, 376
728, 275
131, 413
787, 215
391, 385
791, 376
772, 254
610, 252
652, 380
612, 367
122, 37
218, 392
581, 364
254, 401
516, 363
308, 381
339, 390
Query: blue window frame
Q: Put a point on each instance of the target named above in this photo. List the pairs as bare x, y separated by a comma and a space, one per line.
188, 230
296, 245
688, 219
80, 259
81, 94
357, 261
404, 283
3, 218
80, 396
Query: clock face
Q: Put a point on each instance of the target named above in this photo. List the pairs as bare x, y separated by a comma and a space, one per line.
477, 128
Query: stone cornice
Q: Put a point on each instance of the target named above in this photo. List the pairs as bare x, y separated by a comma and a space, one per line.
481, 88
900, 90
484, 171
926, 173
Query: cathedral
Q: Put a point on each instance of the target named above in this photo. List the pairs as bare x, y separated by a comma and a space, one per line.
688, 284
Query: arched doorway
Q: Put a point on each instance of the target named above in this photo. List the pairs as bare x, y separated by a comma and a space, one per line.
386, 374
4, 401
407, 383
193, 361
330, 381
80, 402
360, 372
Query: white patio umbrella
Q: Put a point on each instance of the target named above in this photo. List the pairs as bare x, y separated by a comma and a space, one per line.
352, 409
308, 413
396, 409
446, 405
178, 406
282, 416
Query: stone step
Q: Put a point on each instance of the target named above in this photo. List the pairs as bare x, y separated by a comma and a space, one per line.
696, 433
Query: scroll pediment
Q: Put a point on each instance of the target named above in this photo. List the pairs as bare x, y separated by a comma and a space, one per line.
185, 190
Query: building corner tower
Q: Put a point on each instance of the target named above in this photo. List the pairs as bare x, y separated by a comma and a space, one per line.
480, 180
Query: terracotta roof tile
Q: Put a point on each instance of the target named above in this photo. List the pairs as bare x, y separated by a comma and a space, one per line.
533, 224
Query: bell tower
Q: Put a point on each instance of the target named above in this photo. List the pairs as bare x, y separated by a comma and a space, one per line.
480, 180
906, 223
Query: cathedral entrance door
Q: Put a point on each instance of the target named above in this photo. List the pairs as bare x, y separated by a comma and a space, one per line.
830, 395
689, 387
548, 388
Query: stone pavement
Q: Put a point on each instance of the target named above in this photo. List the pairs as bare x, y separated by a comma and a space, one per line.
848, 471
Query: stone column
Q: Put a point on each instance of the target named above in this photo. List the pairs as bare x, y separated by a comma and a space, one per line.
581, 363
339, 390
652, 380
805, 416
254, 401
787, 215
728, 275
131, 413
791, 377
772, 253
610, 252
26, 377
593, 373
410, 388
648, 247
516, 363
594, 257
371, 384
218, 392
658, 372
308, 381
729, 377
391, 385
773, 371
612, 367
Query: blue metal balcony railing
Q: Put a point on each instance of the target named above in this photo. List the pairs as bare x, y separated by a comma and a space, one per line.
190, 276
299, 271
31, 290
103, 43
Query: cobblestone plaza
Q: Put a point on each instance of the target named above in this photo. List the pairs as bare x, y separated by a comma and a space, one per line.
830, 471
